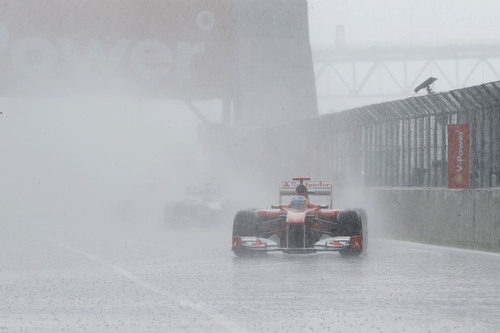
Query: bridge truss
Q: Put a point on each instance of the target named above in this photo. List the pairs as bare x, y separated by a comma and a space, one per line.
393, 72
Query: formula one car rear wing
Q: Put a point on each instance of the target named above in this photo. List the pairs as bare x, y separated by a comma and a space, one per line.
314, 187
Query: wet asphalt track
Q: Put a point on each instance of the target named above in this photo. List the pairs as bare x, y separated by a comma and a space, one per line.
161, 281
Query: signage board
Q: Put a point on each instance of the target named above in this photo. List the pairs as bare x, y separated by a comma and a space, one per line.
149, 48
458, 155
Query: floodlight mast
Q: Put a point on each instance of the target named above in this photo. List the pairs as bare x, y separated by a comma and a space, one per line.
427, 85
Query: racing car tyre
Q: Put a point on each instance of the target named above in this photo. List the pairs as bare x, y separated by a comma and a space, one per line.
245, 224
364, 226
350, 225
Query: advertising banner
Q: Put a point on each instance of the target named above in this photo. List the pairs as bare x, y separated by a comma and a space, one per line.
147, 48
458, 155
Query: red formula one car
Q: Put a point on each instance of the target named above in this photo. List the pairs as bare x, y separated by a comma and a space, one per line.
306, 229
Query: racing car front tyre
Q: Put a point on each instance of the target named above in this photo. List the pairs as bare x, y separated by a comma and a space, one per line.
350, 225
244, 225
346, 253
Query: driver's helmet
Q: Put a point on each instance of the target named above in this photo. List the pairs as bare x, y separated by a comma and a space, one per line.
301, 190
299, 202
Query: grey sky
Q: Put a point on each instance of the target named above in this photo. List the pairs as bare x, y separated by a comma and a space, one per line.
405, 22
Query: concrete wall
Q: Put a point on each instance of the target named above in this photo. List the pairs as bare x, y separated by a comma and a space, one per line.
462, 218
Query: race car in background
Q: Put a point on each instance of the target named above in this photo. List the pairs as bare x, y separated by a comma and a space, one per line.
313, 228
202, 206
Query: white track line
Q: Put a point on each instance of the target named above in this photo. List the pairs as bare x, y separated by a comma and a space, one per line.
182, 301
444, 247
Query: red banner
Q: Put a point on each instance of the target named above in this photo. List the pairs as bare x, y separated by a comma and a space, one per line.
458, 155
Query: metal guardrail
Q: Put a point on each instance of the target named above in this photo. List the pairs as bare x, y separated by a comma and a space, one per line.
397, 143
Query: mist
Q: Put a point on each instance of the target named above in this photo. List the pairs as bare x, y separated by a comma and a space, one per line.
88, 160
134, 135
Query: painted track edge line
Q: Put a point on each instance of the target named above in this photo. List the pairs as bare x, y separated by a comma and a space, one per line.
434, 246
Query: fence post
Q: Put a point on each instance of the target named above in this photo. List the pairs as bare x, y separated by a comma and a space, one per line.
489, 160
408, 176
474, 165
397, 154
435, 161
444, 158
387, 167
404, 137
420, 169
482, 166
428, 146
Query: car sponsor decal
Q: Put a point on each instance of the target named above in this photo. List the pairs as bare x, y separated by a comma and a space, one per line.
258, 243
356, 242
